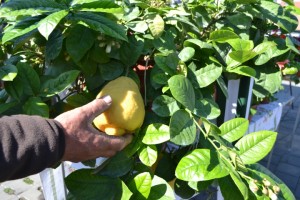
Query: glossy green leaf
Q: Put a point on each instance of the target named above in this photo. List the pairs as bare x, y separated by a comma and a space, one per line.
200, 165
200, 185
260, 172
148, 154
234, 129
141, 185
291, 45
186, 54
242, 56
239, 44
111, 70
6, 106
101, 24
156, 134
35, 106
29, 78
164, 106
222, 35
21, 28
54, 45
208, 74
271, 52
197, 43
130, 52
84, 185
58, 84
207, 108
166, 165
156, 26
17, 8
230, 190
183, 91
103, 6
15, 88
160, 189
118, 165
264, 46
182, 128
48, 24
243, 70
8, 72
183, 190
78, 100
255, 146
167, 63
79, 41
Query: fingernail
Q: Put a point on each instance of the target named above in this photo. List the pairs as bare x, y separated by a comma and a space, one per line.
107, 99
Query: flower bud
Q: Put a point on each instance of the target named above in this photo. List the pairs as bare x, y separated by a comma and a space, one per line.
265, 191
272, 195
276, 189
266, 182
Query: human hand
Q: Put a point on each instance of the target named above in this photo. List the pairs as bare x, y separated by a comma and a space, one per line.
83, 141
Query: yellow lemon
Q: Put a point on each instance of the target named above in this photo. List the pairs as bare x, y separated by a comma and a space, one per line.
127, 112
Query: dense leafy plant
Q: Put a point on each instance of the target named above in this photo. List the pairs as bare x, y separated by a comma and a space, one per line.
57, 54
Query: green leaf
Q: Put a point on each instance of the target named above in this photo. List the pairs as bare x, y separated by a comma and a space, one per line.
111, 70
164, 106
119, 165
264, 46
29, 78
130, 52
78, 100
15, 88
103, 6
141, 185
207, 108
54, 45
270, 53
59, 84
101, 24
79, 41
230, 190
82, 184
148, 154
182, 128
186, 54
290, 44
167, 63
8, 72
161, 190
208, 74
200, 165
156, 26
48, 24
242, 56
182, 90
239, 44
35, 106
260, 172
183, 190
255, 146
23, 27
156, 134
17, 8
222, 36
234, 129
243, 70
6, 106
200, 185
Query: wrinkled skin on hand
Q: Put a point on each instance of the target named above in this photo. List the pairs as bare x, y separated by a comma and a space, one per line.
82, 140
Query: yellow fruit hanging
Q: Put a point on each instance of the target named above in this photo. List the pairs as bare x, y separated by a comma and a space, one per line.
127, 112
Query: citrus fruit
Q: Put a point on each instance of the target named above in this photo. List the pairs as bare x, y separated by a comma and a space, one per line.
127, 112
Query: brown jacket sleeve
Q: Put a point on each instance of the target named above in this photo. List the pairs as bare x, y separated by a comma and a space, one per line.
28, 144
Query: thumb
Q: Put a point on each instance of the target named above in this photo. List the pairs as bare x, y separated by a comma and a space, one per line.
96, 107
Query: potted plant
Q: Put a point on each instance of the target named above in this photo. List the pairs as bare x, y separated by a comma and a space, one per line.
58, 54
